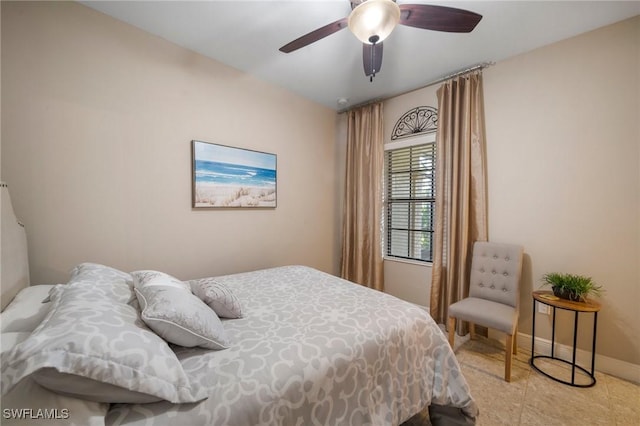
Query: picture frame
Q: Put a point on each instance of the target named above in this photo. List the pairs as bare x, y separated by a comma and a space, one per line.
229, 177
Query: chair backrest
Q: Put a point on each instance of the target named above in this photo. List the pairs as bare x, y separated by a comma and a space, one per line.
495, 272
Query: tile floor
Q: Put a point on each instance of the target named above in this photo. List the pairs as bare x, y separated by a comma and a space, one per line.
533, 399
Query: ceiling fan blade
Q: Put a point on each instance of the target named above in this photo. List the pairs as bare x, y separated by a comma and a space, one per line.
438, 18
372, 58
314, 36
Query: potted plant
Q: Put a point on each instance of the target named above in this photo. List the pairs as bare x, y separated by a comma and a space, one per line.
572, 287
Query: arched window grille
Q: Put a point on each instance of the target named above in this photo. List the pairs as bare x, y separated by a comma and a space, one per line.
419, 120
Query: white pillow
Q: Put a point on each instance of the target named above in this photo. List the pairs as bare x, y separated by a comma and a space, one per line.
175, 314
218, 297
26, 311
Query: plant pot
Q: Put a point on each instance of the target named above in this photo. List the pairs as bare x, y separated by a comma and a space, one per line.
565, 294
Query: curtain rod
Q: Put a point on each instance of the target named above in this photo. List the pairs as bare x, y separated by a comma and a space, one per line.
479, 66
472, 68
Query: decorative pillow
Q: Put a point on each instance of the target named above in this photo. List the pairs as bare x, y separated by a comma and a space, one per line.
218, 297
92, 345
26, 310
175, 314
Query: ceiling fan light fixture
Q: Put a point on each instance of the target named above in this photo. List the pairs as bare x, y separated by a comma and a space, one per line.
373, 20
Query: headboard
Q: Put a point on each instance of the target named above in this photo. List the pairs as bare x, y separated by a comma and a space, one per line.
14, 264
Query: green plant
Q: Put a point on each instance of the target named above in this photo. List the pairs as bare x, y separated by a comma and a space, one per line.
577, 287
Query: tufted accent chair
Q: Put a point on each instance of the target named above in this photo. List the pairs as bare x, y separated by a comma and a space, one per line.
494, 294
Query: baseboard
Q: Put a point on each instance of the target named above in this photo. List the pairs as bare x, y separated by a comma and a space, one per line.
604, 364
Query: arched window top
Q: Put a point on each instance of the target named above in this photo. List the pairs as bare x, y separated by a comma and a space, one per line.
419, 120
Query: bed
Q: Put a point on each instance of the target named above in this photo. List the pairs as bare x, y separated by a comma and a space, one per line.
296, 346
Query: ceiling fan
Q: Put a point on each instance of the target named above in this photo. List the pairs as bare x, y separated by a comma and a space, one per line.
371, 21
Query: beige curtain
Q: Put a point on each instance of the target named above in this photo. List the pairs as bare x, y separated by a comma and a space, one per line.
361, 229
461, 197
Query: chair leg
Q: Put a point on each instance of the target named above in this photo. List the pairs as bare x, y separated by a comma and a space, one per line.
472, 331
452, 330
515, 343
507, 359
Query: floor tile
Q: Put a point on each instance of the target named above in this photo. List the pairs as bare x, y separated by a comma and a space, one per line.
625, 400
533, 399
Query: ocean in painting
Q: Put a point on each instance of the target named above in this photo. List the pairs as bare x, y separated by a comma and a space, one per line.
233, 174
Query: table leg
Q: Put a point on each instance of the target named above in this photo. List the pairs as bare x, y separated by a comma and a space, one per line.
533, 330
593, 345
553, 332
575, 343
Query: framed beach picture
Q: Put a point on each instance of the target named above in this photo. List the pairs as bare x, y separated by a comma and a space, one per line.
228, 177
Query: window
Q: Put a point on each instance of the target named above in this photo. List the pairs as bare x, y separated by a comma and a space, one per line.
410, 200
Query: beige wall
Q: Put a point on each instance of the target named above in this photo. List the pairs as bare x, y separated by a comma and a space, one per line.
97, 119
563, 131
563, 141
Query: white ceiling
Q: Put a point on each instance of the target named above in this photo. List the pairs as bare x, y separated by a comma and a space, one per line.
247, 35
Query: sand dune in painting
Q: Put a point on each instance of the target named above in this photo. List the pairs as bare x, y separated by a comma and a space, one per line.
214, 195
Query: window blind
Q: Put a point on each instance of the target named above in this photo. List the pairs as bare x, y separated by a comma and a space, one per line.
410, 201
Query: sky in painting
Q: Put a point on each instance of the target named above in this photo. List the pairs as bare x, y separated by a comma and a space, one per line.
225, 154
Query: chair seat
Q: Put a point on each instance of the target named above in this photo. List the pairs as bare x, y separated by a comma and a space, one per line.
485, 312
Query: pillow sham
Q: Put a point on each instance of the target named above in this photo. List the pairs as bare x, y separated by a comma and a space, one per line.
101, 275
27, 310
98, 273
175, 314
28, 395
11, 338
217, 296
92, 345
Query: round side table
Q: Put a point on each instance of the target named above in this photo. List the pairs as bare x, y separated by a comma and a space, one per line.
590, 306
